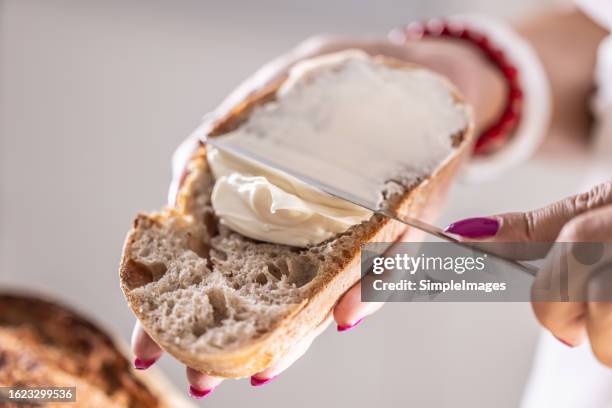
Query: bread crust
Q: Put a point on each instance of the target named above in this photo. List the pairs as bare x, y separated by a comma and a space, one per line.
327, 287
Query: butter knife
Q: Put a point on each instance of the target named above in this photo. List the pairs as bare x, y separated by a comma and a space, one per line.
364, 202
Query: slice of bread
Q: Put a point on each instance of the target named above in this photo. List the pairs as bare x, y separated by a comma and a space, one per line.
230, 306
44, 344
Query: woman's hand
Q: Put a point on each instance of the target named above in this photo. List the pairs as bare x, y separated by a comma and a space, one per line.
578, 220
479, 82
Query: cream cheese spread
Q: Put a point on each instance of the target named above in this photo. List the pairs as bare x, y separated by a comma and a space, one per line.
343, 117
265, 204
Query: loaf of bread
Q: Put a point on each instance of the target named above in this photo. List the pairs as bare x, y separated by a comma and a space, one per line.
44, 344
231, 306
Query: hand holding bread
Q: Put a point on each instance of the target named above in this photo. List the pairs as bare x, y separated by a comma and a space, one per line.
237, 339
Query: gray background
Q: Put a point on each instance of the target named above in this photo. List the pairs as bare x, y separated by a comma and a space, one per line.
95, 96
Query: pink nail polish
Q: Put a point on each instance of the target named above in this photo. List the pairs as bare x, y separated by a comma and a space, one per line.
479, 227
143, 364
348, 326
199, 394
568, 344
256, 382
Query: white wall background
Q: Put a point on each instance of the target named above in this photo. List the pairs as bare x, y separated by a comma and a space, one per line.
94, 97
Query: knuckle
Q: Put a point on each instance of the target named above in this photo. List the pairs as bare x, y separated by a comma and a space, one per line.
595, 197
530, 225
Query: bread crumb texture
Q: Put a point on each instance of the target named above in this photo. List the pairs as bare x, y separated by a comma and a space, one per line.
204, 288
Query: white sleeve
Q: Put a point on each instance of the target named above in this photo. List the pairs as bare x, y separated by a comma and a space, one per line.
599, 10
535, 114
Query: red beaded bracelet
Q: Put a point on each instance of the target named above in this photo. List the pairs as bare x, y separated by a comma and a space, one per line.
495, 135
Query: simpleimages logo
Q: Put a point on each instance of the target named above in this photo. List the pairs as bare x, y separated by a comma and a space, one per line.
422, 262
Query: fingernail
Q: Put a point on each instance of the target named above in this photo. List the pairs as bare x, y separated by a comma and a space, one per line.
568, 344
143, 364
256, 382
346, 327
199, 394
479, 227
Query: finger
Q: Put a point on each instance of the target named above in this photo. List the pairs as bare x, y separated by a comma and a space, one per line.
599, 314
567, 274
297, 351
541, 225
565, 320
200, 384
551, 293
596, 227
350, 310
146, 351
585, 242
536, 229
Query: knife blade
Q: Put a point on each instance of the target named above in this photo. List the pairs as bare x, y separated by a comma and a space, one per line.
365, 202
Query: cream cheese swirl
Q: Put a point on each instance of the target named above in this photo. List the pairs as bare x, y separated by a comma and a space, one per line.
268, 205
